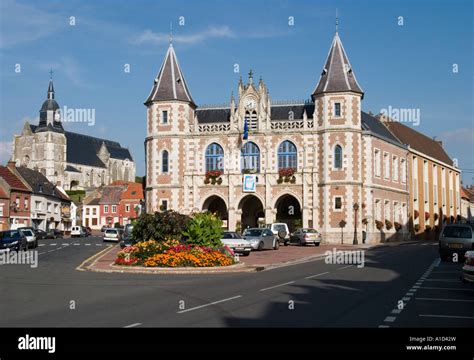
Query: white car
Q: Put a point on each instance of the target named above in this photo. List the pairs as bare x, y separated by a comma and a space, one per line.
280, 230
30, 236
77, 231
112, 235
468, 268
236, 242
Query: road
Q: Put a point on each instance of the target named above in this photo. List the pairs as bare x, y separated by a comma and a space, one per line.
399, 286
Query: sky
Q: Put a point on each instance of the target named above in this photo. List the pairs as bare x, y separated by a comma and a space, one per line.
414, 54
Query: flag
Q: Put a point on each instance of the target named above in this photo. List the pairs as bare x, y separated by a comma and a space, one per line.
246, 130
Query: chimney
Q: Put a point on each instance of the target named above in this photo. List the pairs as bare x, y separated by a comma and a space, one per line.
440, 142
11, 164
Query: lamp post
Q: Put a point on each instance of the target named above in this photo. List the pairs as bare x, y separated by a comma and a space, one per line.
356, 208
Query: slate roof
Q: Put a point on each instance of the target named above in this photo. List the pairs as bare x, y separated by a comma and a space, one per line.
283, 112
206, 116
38, 183
422, 143
71, 169
12, 179
94, 201
337, 74
371, 123
169, 83
83, 149
111, 195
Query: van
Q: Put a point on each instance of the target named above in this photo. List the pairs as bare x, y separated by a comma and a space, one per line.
76, 231
281, 231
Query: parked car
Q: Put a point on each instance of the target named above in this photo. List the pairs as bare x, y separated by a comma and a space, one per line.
54, 234
468, 268
40, 234
30, 236
127, 239
77, 231
455, 238
103, 228
261, 238
13, 240
112, 235
236, 242
306, 236
280, 230
87, 231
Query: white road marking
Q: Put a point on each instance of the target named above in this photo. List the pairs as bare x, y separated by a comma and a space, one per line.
437, 299
384, 326
396, 311
76, 244
390, 319
132, 325
53, 244
441, 288
313, 276
98, 244
212, 303
445, 272
344, 267
87, 244
447, 316
445, 280
406, 298
273, 287
65, 244
41, 244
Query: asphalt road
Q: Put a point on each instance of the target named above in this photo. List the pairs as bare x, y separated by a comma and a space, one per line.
399, 286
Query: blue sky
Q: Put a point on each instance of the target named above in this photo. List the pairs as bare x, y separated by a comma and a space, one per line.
409, 66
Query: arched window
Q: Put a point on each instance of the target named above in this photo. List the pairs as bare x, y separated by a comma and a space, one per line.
250, 159
287, 155
252, 120
164, 161
338, 157
214, 157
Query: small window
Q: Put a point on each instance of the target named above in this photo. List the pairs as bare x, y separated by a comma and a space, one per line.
164, 162
164, 205
338, 203
337, 109
106, 208
338, 157
164, 117
114, 209
127, 208
93, 211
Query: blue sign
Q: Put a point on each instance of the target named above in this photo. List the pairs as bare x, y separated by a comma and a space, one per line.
246, 130
250, 183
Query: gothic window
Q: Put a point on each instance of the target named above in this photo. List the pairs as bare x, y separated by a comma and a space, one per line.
338, 157
164, 162
252, 121
250, 159
287, 155
214, 157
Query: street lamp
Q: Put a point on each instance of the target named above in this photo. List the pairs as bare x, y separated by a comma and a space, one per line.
355, 207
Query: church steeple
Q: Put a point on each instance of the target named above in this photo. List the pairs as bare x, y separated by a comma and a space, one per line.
169, 83
50, 115
337, 74
50, 90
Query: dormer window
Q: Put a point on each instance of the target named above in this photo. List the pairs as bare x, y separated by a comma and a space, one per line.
337, 109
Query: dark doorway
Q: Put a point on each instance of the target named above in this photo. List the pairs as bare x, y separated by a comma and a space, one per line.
252, 211
216, 205
289, 212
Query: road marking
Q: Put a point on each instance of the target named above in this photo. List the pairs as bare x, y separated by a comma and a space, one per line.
132, 325
212, 303
65, 244
445, 280
98, 244
53, 244
273, 287
447, 316
445, 272
76, 244
313, 276
437, 299
87, 244
413, 290
440, 288
396, 311
344, 267
437, 262
41, 244
390, 319
406, 299
384, 326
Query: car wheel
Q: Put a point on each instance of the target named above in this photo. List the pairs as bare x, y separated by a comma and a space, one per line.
316, 244
277, 245
247, 253
300, 242
260, 246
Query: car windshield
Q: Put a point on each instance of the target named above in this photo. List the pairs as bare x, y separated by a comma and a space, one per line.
27, 232
279, 227
462, 232
231, 235
9, 234
253, 232
111, 231
310, 231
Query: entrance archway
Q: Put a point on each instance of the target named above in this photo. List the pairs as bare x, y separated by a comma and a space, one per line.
289, 212
216, 205
252, 211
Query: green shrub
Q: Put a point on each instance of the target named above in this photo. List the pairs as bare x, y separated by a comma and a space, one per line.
204, 229
159, 226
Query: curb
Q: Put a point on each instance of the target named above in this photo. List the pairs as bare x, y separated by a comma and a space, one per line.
93, 259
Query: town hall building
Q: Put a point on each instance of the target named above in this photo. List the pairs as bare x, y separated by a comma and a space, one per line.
68, 159
323, 163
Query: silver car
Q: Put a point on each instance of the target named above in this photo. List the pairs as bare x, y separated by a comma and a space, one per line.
455, 239
30, 236
112, 235
236, 242
261, 238
306, 236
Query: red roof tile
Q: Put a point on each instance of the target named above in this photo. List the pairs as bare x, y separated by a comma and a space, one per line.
3, 194
12, 180
134, 192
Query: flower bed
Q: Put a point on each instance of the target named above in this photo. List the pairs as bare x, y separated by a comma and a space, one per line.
173, 254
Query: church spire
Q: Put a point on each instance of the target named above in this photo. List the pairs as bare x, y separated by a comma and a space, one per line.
169, 83
337, 75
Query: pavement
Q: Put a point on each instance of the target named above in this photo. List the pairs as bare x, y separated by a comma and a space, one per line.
398, 286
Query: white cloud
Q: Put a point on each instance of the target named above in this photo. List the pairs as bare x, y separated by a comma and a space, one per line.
68, 67
5, 151
23, 23
150, 37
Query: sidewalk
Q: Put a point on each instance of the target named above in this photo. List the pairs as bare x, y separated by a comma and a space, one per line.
256, 261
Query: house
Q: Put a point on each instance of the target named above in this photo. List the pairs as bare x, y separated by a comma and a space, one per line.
19, 194
89, 211
466, 210
109, 205
4, 209
131, 202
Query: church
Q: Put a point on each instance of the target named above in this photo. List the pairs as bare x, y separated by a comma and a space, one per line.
321, 163
68, 159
